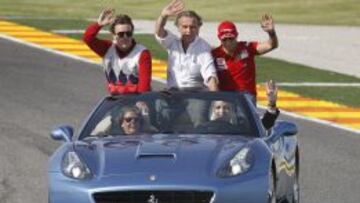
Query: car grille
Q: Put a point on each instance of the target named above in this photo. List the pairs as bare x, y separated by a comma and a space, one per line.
153, 197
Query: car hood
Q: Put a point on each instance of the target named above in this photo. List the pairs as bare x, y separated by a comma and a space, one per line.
189, 154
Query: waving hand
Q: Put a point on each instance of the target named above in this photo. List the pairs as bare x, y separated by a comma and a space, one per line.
106, 17
175, 7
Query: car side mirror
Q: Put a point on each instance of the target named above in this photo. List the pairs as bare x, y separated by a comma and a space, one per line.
64, 132
285, 128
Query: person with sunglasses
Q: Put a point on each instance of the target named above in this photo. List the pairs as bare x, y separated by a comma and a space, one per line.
130, 120
127, 64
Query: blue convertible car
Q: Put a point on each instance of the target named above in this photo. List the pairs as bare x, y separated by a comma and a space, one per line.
169, 147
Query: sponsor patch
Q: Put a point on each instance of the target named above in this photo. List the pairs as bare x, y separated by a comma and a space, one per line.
221, 63
243, 54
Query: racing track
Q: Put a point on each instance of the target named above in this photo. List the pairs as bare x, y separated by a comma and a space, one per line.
39, 90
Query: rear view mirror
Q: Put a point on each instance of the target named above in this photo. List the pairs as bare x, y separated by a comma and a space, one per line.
64, 132
285, 128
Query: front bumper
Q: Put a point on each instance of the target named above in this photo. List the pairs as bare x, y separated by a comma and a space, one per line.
248, 188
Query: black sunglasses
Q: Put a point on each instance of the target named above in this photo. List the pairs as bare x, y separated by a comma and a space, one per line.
129, 119
122, 34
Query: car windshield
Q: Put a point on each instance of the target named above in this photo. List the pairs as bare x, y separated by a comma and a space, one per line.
177, 113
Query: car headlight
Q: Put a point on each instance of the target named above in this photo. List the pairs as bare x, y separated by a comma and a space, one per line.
73, 167
239, 164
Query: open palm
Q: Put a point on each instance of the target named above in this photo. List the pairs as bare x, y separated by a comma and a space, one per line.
175, 7
271, 92
267, 23
106, 17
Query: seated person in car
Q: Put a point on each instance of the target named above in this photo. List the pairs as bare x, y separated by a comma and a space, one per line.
222, 110
133, 119
130, 120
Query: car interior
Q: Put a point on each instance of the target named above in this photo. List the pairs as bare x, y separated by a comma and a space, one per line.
187, 116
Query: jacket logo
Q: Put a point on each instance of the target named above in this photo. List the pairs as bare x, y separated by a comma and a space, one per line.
243, 54
221, 64
152, 199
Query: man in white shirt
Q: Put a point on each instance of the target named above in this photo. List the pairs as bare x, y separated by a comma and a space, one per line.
190, 63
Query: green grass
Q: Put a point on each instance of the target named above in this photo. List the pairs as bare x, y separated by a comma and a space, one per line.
329, 12
277, 70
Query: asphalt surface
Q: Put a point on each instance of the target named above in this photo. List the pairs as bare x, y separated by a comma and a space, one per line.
40, 90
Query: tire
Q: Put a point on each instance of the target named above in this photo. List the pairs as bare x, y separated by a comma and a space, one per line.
296, 186
272, 187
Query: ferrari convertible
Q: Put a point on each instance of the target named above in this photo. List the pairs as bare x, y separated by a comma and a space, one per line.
175, 147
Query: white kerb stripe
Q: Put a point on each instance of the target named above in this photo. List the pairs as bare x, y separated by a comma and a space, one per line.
317, 84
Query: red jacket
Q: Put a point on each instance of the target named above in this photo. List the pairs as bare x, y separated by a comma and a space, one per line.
237, 72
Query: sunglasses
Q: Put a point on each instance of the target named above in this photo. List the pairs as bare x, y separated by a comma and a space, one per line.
122, 34
129, 119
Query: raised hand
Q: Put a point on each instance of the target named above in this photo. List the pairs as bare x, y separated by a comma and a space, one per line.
106, 17
175, 7
144, 109
271, 93
267, 23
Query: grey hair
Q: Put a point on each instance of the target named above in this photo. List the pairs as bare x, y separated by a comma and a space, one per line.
191, 14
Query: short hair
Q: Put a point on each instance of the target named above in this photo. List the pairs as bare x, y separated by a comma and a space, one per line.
191, 14
232, 114
121, 19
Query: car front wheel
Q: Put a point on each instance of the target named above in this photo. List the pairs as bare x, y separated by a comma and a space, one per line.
272, 187
296, 187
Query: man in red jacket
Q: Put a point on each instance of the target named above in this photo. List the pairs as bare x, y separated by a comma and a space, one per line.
235, 64
235, 60
127, 64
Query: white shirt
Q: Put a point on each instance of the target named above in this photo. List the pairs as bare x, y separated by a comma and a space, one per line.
190, 69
